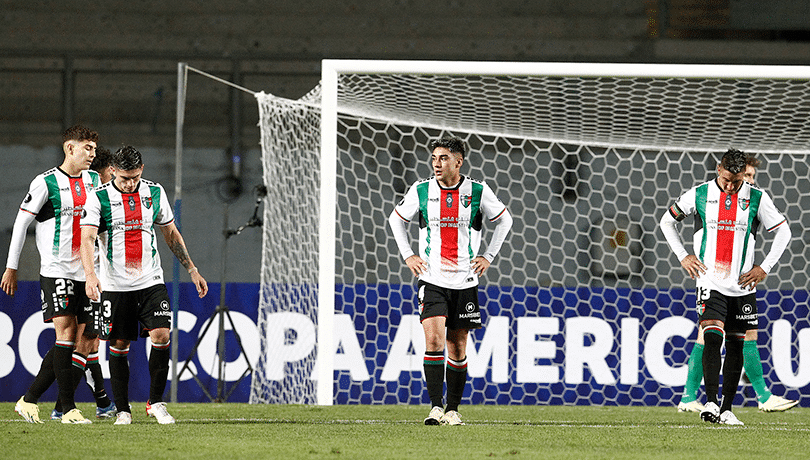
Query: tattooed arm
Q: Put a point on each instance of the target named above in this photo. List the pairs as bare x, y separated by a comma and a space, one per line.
175, 241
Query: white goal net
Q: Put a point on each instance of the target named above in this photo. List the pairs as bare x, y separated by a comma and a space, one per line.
585, 303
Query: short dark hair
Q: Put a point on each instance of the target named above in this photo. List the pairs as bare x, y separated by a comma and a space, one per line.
102, 160
127, 158
752, 161
734, 161
453, 144
79, 133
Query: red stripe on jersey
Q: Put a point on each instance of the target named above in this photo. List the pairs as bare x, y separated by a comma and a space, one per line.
132, 235
726, 219
79, 195
449, 227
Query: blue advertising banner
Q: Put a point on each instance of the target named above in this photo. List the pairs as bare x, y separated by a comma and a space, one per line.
598, 346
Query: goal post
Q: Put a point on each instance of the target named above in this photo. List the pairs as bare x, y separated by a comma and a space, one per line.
585, 302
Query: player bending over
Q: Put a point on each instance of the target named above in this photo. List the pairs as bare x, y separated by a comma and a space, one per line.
729, 210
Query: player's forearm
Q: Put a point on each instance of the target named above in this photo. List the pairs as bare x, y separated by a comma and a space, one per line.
21, 224
502, 227
781, 239
400, 235
670, 231
178, 247
87, 250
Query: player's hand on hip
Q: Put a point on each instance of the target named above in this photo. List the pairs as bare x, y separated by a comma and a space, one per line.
480, 265
693, 266
751, 278
9, 283
416, 264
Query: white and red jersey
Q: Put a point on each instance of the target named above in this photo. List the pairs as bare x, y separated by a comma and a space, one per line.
126, 234
725, 226
56, 201
450, 223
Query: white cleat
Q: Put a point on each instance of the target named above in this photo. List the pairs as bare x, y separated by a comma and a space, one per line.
728, 418
28, 411
452, 418
694, 406
711, 413
435, 416
123, 418
777, 404
158, 410
75, 417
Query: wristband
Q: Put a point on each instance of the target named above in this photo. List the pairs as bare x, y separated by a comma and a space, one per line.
192, 270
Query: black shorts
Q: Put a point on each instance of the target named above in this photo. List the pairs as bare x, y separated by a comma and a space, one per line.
63, 297
128, 315
738, 314
459, 306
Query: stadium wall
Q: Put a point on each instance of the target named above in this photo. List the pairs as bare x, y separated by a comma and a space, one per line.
582, 346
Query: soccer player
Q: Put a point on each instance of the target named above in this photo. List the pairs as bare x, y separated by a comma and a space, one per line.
728, 210
451, 209
123, 215
752, 362
102, 164
55, 200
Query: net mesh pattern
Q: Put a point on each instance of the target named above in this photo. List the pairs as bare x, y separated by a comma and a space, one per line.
577, 302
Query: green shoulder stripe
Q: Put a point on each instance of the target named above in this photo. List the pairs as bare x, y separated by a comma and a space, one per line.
55, 198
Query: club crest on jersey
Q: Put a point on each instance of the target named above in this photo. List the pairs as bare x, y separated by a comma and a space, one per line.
449, 200
147, 201
744, 203
131, 203
465, 200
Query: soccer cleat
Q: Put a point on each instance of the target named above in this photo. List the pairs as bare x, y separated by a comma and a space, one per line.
123, 418
693, 406
28, 411
74, 417
777, 404
452, 418
435, 416
728, 418
106, 412
56, 415
710, 413
158, 410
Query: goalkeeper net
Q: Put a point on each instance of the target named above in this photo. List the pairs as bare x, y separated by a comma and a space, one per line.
585, 303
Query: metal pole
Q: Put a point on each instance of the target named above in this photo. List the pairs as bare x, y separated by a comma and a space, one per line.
221, 307
182, 74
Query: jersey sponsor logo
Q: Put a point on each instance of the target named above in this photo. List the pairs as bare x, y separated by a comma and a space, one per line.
728, 202
747, 309
164, 305
449, 200
28, 198
163, 313
469, 307
131, 203
77, 186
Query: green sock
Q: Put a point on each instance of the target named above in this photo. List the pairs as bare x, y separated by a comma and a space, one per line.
753, 369
695, 374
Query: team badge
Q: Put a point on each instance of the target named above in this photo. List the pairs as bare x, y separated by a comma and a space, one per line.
147, 201
744, 203
466, 200
131, 203
449, 200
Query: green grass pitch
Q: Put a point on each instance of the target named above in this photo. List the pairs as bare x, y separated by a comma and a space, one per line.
227, 431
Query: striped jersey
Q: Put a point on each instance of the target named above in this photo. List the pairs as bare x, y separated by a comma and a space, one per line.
450, 223
57, 200
725, 230
126, 234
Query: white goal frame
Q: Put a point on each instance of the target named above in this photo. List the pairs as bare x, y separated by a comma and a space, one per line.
332, 69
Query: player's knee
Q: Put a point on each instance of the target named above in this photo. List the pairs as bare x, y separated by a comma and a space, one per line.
160, 336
